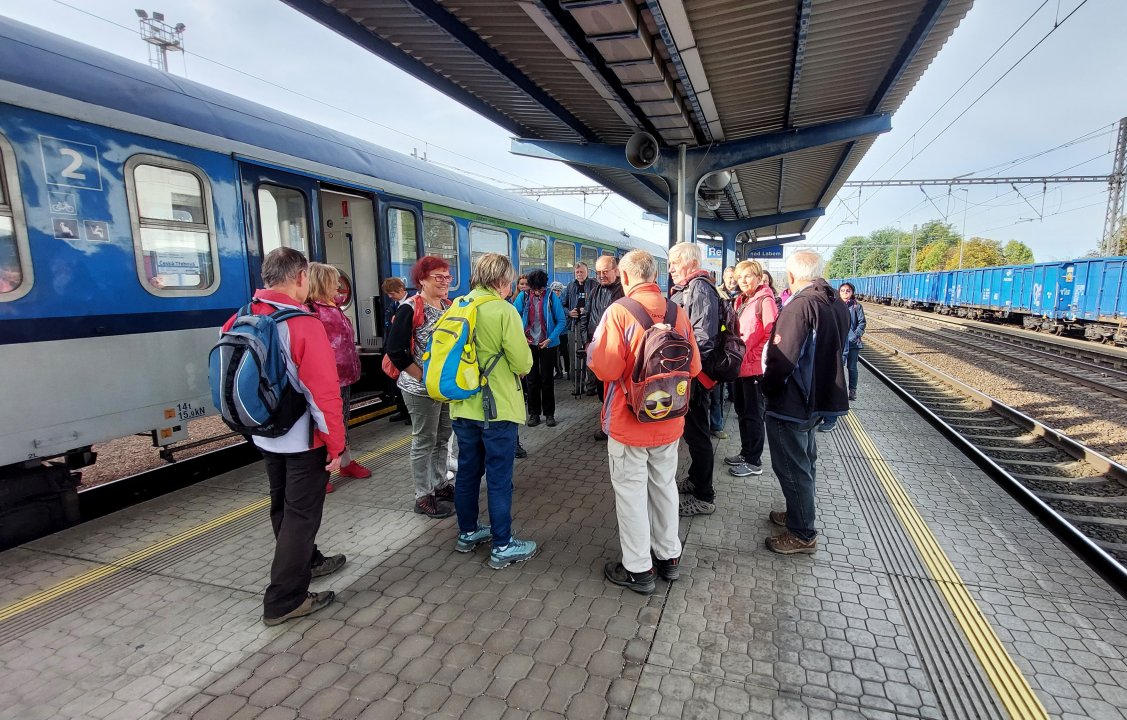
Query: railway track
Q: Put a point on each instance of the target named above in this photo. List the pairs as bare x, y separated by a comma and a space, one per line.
1110, 381
1105, 356
1073, 489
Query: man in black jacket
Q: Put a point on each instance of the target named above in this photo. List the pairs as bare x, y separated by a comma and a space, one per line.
804, 382
606, 292
577, 302
695, 293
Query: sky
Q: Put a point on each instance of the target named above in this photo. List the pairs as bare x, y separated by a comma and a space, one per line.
1069, 87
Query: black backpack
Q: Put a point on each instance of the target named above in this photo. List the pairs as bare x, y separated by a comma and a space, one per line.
723, 363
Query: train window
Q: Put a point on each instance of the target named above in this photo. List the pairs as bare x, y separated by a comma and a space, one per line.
588, 255
487, 240
174, 237
533, 252
564, 260
440, 239
15, 265
282, 218
402, 234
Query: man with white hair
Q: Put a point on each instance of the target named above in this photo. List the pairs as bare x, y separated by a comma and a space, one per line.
804, 383
694, 292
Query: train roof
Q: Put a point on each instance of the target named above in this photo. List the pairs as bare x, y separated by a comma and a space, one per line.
44, 61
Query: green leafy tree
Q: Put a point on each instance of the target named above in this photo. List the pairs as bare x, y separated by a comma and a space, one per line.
977, 252
846, 258
933, 256
1017, 253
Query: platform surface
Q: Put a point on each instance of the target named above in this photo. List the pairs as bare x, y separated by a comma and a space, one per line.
155, 611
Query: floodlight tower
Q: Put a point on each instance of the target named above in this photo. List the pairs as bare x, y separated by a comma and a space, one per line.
1115, 192
161, 37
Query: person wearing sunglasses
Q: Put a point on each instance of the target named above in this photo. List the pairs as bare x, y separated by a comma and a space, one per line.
430, 419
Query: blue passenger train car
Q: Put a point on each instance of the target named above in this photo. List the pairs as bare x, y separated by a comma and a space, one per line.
135, 210
1087, 297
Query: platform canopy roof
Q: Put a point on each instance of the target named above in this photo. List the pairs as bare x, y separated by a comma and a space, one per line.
694, 72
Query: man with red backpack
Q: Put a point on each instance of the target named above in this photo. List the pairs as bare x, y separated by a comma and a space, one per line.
645, 351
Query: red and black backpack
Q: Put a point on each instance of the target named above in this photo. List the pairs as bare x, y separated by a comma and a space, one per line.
659, 384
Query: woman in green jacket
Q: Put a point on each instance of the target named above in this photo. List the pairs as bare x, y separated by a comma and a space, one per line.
488, 447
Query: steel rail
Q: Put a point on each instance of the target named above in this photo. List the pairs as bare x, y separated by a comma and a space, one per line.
1099, 560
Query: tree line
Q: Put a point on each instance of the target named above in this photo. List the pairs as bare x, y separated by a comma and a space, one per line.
934, 246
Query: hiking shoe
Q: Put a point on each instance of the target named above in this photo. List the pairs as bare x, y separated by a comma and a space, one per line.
745, 470
468, 541
734, 460
521, 452
638, 582
516, 551
355, 470
533, 420
427, 505
787, 543
550, 420
668, 569
693, 506
327, 565
719, 434
852, 394
779, 517
600, 435
827, 426
444, 494
399, 417
685, 485
312, 603
329, 487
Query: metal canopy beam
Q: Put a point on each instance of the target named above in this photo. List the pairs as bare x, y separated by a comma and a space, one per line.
704, 160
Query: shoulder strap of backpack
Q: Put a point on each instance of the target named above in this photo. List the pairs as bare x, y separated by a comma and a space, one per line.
638, 310
419, 310
670, 313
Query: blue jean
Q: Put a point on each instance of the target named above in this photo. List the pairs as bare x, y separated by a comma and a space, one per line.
850, 359
716, 408
794, 451
489, 450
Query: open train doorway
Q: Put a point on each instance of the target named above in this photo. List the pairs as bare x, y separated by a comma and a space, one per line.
348, 224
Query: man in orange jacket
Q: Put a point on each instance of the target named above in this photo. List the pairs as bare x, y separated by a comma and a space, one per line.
643, 457
298, 463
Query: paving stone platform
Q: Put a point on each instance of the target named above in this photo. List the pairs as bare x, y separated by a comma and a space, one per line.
173, 630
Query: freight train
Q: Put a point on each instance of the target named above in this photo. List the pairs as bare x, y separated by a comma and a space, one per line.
135, 210
1085, 297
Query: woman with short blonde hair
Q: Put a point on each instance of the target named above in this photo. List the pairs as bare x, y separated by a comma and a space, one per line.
324, 284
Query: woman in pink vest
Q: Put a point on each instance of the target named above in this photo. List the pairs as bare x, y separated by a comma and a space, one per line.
755, 307
324, 281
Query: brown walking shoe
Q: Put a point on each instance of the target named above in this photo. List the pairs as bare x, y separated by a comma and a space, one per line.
312, 603
787, 543
779, 517
444, 494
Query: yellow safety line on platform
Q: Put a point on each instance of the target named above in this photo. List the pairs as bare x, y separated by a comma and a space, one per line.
1013, 689
103, 571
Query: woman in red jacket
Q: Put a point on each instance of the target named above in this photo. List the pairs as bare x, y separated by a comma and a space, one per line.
757, 312
324, 281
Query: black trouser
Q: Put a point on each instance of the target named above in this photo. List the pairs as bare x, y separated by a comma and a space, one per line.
541, 384
750, 405
699, 439
297, 497
565, 357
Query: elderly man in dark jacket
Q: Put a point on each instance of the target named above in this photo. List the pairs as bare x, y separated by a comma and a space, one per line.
804, 383
577, 303
695, 293
606, 292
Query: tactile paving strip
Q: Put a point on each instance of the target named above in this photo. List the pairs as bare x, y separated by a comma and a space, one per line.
59, 600
961, 686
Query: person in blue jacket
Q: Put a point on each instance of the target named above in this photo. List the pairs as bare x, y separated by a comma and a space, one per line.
544, 321
853, 342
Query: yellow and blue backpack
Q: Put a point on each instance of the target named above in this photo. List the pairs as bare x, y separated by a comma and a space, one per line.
451, 367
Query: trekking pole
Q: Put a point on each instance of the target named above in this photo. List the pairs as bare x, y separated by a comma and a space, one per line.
579, 368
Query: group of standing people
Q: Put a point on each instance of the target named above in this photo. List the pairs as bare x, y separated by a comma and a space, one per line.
791, 380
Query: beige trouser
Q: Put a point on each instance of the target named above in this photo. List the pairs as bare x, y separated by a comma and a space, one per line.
645, 500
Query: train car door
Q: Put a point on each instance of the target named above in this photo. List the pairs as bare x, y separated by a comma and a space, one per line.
280, 209
348, 224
